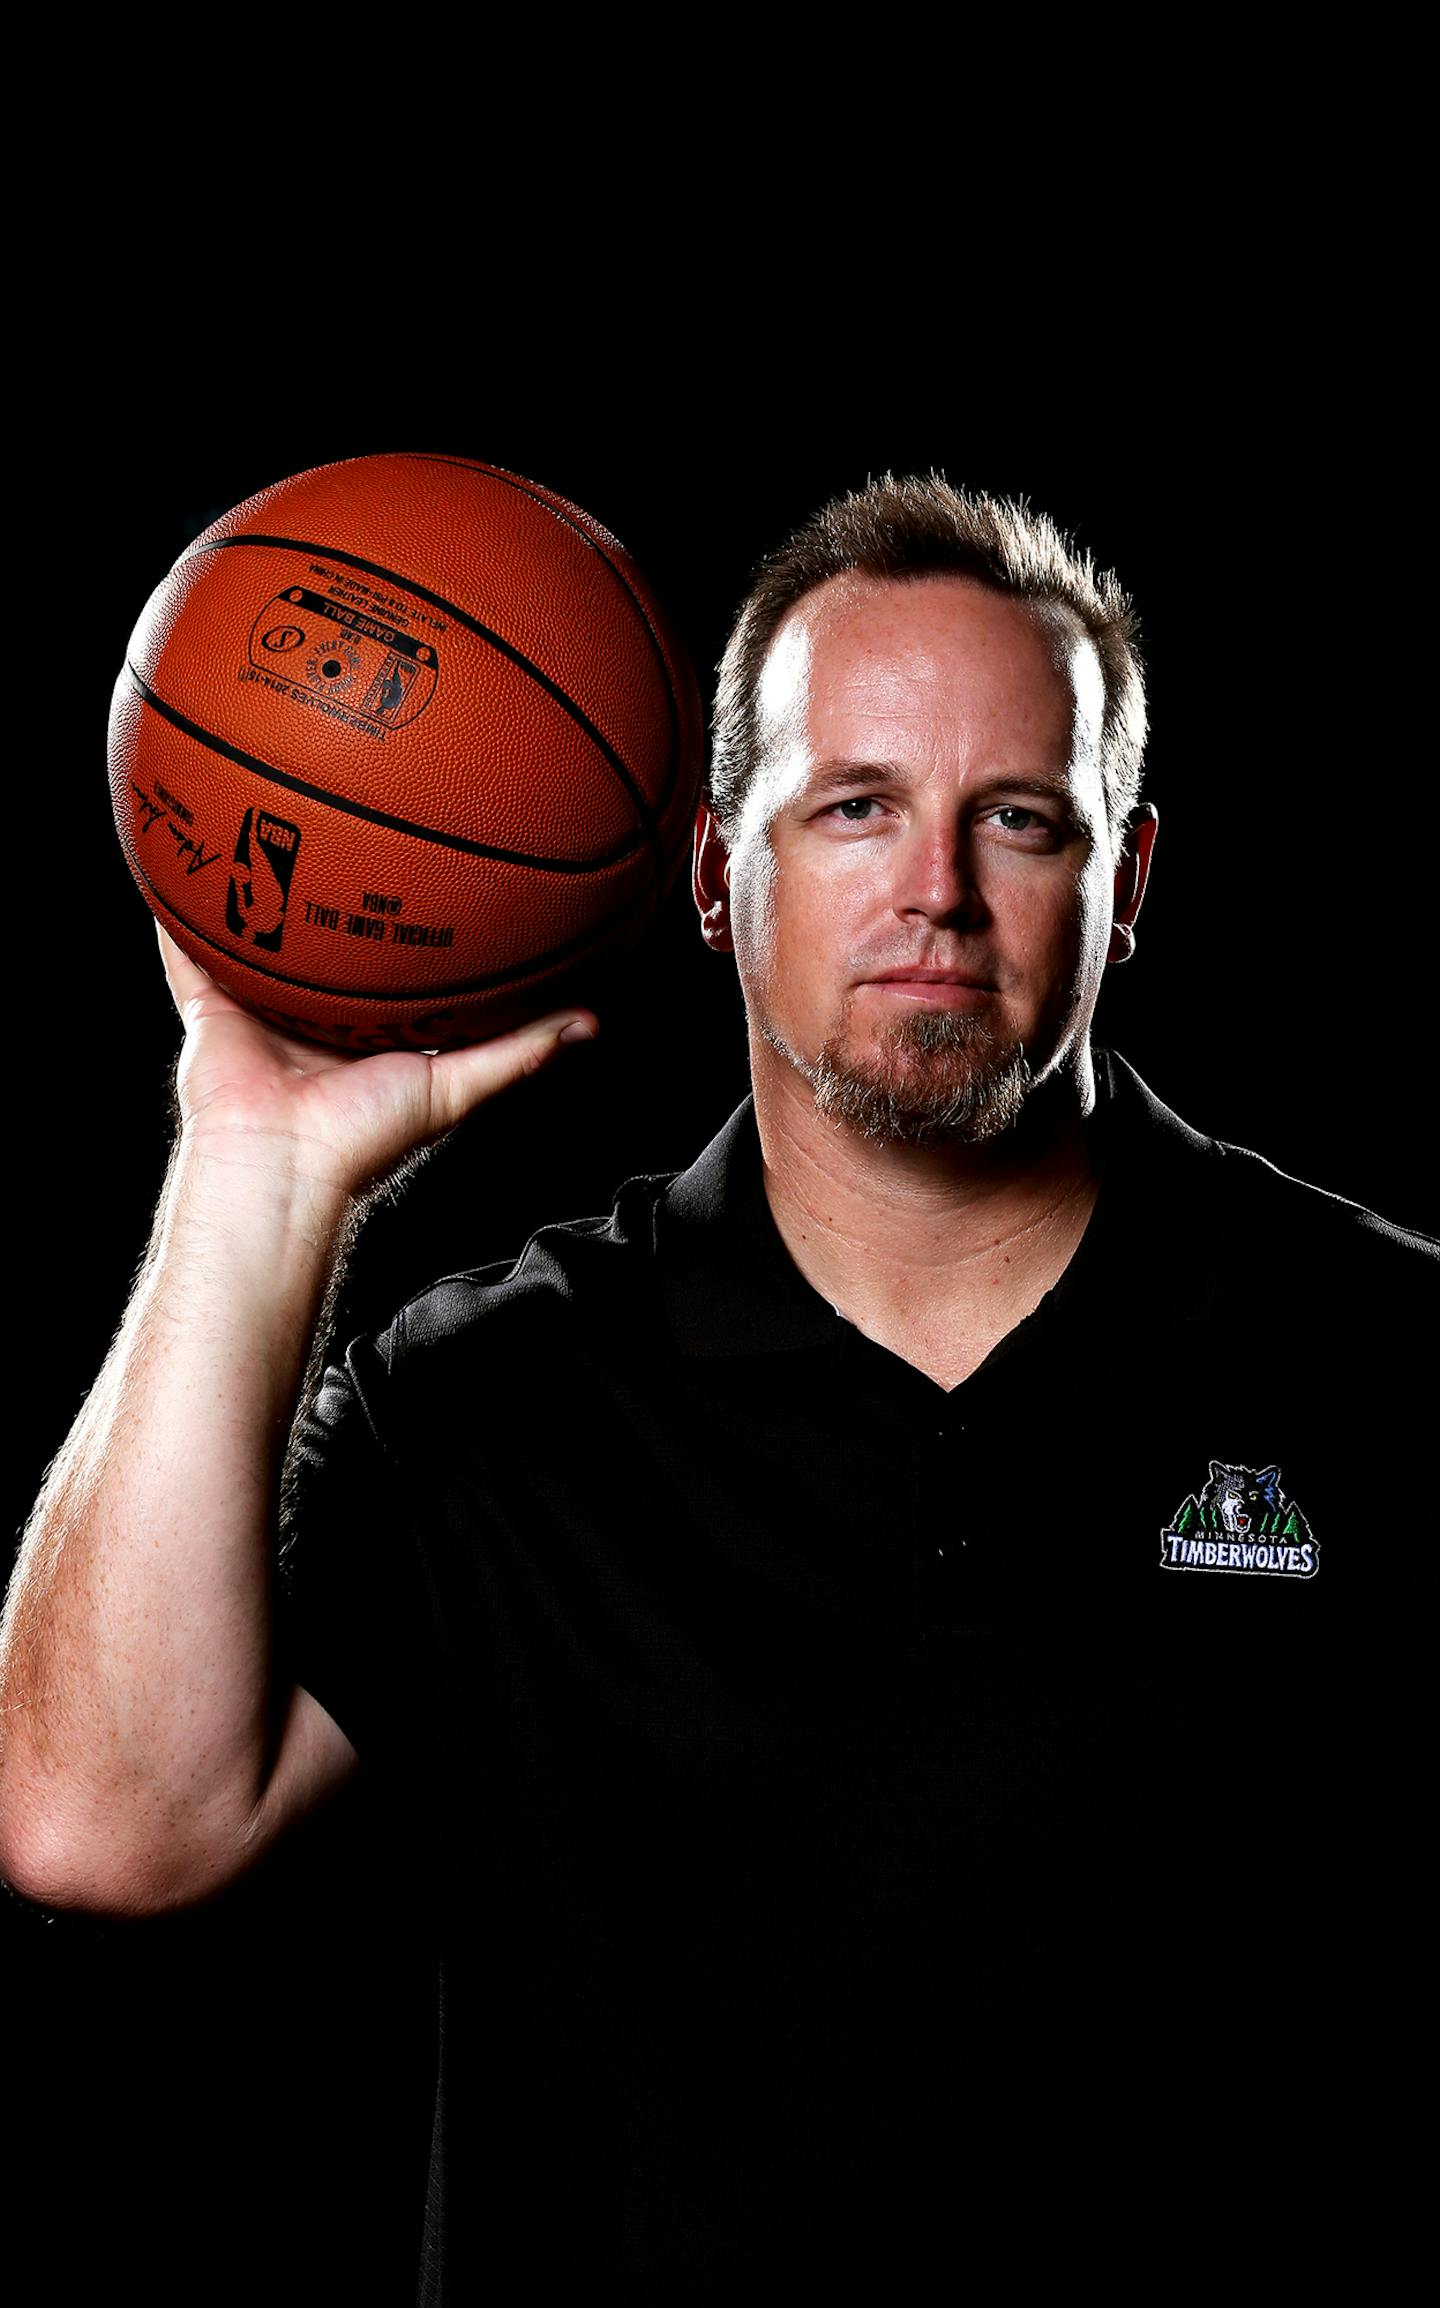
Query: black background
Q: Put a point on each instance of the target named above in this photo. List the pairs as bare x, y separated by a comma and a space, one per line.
1246, 469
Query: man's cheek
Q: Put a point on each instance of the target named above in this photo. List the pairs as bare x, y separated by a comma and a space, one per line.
754, 912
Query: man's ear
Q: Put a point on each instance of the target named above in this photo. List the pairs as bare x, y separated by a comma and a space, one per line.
1132, 871
710, 880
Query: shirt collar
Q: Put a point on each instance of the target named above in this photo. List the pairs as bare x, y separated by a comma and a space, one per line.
731, 1287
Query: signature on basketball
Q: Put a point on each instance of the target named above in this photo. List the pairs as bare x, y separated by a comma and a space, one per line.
154, 813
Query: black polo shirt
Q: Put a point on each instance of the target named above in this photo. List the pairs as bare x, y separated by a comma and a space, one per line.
866, 1820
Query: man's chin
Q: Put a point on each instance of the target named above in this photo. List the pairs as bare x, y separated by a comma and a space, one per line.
937, 1079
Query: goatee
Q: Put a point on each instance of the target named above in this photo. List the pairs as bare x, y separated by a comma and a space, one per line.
940, 1078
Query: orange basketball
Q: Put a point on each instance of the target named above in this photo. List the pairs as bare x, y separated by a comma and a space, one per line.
402, 748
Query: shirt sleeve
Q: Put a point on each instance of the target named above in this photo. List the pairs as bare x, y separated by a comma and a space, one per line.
349, 1626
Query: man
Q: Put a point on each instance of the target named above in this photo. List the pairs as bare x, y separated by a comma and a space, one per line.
864, 1644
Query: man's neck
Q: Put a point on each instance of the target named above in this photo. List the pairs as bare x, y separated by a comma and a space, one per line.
937, 1251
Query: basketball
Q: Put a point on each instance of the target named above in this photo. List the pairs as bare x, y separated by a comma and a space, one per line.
404, 751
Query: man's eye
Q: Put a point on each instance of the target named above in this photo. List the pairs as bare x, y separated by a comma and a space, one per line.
855, 808
1037, 829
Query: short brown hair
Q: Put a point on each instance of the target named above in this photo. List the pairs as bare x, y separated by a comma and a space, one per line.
917, 527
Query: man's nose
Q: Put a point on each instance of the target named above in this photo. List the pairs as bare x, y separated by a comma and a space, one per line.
936, 877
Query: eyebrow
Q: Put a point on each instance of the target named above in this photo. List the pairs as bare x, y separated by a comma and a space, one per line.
829, 776
834, 775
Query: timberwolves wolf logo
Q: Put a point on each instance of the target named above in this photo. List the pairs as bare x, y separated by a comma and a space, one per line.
1241, 1521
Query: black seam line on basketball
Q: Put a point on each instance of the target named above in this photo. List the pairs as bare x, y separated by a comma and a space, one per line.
672, 704
482, 632
535, 493
573, 949
537, 496
405, 825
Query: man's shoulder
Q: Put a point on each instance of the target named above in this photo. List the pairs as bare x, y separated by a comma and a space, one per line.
598, 1277
1255, 1207
1272, 1196
570, 1272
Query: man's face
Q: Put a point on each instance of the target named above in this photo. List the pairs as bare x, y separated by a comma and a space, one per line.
921, 887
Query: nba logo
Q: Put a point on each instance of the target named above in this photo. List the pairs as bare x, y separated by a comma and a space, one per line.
260, 879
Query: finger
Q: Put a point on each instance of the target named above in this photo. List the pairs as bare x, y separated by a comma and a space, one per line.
460, 1079
186, 979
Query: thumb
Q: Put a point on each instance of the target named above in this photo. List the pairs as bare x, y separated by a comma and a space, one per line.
462, 1079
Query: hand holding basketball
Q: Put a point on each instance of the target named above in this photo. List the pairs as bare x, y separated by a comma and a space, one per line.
331, 1120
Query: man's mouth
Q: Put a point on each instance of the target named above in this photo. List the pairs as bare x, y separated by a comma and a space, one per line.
956, 989
914, 974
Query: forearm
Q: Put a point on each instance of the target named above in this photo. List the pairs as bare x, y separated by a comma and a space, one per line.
140, 1728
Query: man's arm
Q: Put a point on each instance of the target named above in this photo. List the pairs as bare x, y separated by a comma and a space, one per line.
145, 1757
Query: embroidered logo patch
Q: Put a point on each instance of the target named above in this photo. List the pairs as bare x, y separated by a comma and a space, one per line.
1241, 1522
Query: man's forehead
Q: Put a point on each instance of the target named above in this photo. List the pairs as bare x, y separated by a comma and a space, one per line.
940, 641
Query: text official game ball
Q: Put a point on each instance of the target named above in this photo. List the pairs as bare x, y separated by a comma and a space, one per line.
401, 747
